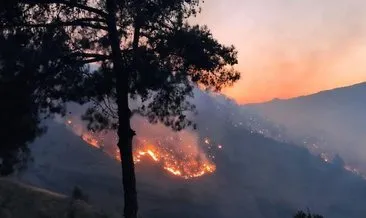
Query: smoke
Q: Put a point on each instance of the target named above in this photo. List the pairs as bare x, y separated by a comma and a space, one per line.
255, 176
185, 139
332, 121
178, 153
140, 125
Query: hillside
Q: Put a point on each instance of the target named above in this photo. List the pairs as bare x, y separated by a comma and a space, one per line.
256, 176
18, 201
335, 119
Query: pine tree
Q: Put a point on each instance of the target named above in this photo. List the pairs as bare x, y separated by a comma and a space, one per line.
33, 85
302, 214
146, 52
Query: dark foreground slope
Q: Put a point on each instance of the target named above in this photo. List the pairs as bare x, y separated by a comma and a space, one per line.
19, 201
256, 177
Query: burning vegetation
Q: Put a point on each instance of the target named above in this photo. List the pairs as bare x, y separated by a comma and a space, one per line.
178, 157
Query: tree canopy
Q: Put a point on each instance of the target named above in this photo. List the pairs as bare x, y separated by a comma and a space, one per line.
302, 214
148, 59
32, 86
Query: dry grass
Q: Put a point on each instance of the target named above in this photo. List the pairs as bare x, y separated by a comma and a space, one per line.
22, 201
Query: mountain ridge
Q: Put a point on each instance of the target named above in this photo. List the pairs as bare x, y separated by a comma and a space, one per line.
335, 119
274, 100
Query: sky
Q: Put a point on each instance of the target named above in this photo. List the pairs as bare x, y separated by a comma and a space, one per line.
289, 48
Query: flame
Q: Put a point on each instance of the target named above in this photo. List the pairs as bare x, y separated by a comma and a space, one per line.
88, 138
186, 163
183, 164
153, 155
173, 171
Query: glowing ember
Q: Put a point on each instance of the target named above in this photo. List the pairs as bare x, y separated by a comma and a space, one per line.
152, 155
173, 171
325, 157
183, 161
90, 140
178, 163
207, 141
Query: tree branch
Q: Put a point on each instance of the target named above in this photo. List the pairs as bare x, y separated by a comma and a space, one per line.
91, 60
89, 55
68, 3
84, 22
88, 19
86, 58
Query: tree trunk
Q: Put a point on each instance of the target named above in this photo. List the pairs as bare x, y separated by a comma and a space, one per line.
125, 133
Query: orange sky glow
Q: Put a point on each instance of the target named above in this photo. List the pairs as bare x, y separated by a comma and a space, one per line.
290, 48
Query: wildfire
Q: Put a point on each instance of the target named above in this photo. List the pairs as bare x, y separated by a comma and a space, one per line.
173, 171
139, 154
186, 162
90, 140
179, 163
153, 155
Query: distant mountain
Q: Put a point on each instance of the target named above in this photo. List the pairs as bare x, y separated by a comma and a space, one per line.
337, 118
256, 176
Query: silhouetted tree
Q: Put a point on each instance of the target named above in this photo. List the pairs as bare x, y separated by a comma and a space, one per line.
338, 162
78, 194
31, 84
302, 214
145, 52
